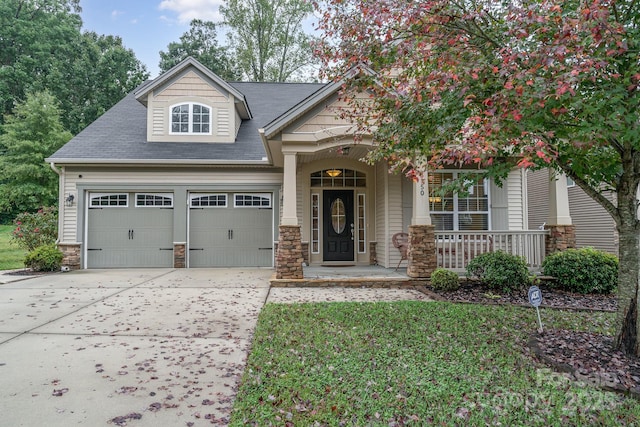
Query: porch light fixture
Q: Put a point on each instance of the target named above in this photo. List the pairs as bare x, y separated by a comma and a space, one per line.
333, 172
68, 201
435, 199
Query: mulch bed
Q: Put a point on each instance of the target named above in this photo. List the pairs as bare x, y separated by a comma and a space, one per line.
586, 356
480, 294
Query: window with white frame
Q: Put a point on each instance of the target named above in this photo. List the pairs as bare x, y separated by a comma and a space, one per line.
458, 212
109, 200
208, 200
190, 118
315, 223
155, 200
361, 224
252, 200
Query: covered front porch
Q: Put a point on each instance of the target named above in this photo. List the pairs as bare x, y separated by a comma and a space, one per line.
427, 246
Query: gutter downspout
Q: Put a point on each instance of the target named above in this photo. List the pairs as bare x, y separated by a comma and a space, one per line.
60, 174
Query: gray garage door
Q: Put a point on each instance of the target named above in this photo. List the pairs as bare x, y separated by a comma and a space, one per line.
130, 230
230, 230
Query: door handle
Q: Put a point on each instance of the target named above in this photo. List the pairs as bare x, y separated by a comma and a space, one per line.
231, 234
352, 231
129, 234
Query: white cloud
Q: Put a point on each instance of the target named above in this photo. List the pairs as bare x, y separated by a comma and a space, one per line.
187, 10
116, 13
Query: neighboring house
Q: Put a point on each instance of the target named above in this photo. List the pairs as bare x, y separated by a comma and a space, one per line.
593, 225
192, 171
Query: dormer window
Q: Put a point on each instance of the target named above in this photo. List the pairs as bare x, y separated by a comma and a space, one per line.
190, 118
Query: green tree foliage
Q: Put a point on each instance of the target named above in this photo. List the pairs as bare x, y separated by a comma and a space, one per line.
267, 37
201, 43
42, 48
99, 73
31, 134
497, 84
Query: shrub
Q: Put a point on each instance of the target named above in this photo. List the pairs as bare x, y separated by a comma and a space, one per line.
36, 229
499, 270
444, 280
585, 270
44, 258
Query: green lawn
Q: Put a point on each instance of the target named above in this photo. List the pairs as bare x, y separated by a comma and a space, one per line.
415, 363
11, 256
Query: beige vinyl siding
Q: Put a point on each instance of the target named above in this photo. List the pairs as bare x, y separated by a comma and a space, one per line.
381, 215
190, 84
538, 192
516, 204
302, 188
191, 177
594, 225
499, 198
327, 117
394, 215
69, 213
407, 203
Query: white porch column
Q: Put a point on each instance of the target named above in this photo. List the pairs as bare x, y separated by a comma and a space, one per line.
289, 192
558, 199
421, 214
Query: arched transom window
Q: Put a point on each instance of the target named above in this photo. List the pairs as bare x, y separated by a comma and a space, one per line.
336, 177
190, 118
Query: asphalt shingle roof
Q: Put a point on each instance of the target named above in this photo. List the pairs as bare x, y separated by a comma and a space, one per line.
120, 134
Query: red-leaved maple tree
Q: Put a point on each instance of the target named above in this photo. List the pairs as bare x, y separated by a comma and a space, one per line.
503, 84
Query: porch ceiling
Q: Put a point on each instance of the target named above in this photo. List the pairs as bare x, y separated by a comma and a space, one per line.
355, 152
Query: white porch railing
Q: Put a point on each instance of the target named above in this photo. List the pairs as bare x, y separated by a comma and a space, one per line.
455, 249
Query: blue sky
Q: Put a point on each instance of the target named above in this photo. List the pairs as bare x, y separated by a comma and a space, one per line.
146, 26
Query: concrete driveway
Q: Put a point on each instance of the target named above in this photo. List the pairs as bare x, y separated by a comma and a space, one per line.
126, 347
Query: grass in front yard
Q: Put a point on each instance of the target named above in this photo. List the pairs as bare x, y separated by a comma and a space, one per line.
11, 257
414, 363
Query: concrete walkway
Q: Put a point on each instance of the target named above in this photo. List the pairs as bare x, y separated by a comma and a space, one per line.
137, 347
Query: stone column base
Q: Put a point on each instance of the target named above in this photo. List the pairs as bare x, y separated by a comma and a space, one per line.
373, 253
71, 255
560, 237
289, 258
422, 251
179, 255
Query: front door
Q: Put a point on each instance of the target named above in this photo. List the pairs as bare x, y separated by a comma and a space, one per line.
338, 225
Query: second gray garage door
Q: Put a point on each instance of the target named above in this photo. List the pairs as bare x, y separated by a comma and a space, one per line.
230, 230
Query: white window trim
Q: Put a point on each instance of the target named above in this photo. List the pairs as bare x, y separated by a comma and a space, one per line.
190, 127
198, 195
570, 183
165, 195
364, 222
262, 195
315, 197
456, 213
93, 196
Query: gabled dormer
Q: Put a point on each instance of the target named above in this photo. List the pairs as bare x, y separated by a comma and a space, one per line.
189, 103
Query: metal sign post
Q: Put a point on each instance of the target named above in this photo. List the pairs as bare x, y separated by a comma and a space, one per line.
535, 299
